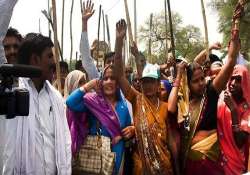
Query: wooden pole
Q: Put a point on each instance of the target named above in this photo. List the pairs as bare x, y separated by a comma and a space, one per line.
48, 9
130, 35
171, 28
98, 34
135, 22
62, 30
71, 32
166, 29
103, 23
108, 34
205, 27
150, 35
76, 56
39, 25
56, 46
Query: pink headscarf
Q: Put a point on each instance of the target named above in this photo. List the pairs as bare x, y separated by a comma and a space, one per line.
233, 159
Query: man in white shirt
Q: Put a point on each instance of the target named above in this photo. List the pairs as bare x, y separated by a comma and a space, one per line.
39, 143
6, 8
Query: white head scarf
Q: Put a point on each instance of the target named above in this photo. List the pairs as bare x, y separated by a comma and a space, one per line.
72, 82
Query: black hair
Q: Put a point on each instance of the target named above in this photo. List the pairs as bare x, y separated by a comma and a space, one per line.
213, 58
64, 64
12, 32
78, 65
108, 55
190, 70
35, 44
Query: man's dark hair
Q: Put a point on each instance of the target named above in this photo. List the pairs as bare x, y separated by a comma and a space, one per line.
33, 45
11, 32
108, 55
64, 65
78, 65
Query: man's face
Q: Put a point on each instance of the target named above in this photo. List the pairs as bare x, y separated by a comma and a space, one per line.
235, 86
46, 63
11, 45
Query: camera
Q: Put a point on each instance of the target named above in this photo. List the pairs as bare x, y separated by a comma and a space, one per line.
14, 101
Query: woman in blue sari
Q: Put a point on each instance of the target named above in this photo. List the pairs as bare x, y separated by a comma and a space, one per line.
106, 106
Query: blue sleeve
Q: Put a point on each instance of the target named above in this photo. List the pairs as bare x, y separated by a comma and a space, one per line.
75, 101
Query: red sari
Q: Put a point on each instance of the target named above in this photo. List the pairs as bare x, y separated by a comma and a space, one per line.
233, 159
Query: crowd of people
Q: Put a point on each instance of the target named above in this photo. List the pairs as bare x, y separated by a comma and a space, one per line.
145, 121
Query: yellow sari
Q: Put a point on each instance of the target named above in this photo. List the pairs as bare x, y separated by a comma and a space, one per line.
151, 155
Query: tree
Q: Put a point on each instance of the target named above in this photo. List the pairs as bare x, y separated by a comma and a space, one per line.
224, 9
188, 39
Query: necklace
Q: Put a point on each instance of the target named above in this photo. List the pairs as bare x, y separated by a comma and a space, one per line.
158, 104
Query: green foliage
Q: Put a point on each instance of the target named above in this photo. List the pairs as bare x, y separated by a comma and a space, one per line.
225, 9
188, 39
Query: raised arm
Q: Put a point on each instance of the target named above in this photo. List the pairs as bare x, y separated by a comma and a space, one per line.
87, 60
140, 60
173, 96
121, 28
201, 57
221, 79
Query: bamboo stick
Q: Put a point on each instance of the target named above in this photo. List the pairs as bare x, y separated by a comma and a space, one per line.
62, 30
205, 27
71, 32
98, 34
130, 35
103, 23
48, 17
171, 28
150, 39
166, 29
49, 32
39, 25
135, 21
108, 34
56, 46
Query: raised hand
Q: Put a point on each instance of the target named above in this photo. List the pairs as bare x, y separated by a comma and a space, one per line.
121, 29
215, 46
229, 101
134, 49
88, 10
181, 67
94, 84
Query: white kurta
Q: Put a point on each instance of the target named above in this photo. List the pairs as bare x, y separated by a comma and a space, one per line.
39, 143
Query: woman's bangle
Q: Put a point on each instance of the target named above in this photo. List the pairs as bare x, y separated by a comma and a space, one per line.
176, 83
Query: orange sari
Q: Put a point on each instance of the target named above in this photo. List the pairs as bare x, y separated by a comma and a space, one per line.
151, 154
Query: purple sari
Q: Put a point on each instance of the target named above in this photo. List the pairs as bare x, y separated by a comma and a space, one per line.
102, 110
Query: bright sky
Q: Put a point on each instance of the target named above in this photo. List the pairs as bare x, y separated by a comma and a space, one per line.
27, 14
